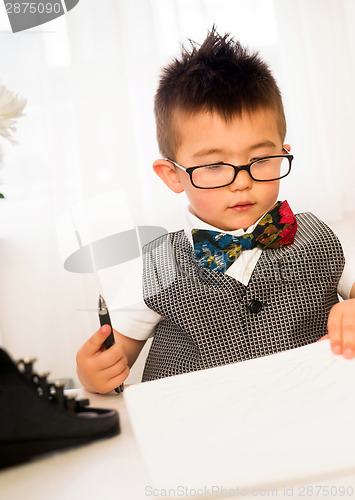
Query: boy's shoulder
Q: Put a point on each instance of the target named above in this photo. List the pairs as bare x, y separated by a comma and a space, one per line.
164, 239
312, 230
307, 220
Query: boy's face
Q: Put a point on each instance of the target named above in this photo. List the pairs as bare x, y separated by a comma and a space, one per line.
207, 138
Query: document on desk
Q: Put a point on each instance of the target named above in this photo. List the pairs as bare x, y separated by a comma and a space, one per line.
267, 421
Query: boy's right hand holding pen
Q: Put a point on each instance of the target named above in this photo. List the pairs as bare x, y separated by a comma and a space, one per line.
102, 370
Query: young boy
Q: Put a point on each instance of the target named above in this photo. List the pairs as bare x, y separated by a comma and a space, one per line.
257, 279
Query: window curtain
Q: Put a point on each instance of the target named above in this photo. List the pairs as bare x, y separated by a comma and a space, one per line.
89, 78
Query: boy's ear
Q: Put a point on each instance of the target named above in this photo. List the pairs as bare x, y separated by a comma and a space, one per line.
287, 146
167, 172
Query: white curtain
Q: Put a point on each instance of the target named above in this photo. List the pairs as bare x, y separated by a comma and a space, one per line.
90, 78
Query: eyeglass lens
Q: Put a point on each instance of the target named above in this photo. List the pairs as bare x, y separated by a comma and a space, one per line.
220, 175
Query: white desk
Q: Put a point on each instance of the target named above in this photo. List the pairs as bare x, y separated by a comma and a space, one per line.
111, 469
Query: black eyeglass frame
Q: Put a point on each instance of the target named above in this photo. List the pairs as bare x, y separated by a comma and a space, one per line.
246, 167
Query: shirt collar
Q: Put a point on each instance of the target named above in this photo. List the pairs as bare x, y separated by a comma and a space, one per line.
193, 222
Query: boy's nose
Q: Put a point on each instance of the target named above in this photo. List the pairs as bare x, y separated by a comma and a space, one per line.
242, 181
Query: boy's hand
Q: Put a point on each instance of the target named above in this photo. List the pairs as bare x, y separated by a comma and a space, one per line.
341, 328
101, 370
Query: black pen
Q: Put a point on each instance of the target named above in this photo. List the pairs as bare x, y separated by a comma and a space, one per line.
104, 318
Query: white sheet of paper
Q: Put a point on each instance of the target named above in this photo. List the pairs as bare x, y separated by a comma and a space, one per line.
272, 420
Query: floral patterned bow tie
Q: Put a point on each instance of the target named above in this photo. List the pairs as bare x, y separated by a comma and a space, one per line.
218, 250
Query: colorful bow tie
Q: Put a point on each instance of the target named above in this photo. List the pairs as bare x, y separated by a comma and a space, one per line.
218, 250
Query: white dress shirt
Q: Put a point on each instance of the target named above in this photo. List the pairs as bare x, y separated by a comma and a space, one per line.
138, 321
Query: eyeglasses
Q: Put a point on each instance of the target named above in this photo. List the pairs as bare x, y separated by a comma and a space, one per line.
216, 175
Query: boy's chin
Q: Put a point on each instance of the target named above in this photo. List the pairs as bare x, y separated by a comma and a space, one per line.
239, 221
237, 225
231, 221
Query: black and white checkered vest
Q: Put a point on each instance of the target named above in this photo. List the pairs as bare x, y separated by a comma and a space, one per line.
211, 319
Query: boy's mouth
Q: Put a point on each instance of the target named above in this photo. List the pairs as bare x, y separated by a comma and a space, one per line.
241, 206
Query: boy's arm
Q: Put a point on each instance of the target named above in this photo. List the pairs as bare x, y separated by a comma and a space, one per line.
132, 346
341, 327
101, 370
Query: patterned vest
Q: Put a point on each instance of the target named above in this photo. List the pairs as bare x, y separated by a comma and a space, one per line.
211, 319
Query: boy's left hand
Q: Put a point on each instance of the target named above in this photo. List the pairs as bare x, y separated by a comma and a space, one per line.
341, 328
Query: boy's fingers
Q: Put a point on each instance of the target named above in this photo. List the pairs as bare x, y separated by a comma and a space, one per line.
114, 370
348, 337
109, 357
94, 343
119, 379
334, 329
113, 379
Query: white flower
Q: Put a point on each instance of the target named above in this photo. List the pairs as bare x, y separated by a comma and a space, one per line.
11, 107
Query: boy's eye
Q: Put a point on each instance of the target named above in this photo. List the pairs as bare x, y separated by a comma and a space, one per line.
213, 167
262, 160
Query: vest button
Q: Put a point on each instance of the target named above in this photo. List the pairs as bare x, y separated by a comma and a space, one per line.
255, 306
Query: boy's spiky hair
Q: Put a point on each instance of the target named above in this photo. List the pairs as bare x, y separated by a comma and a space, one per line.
218, 76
